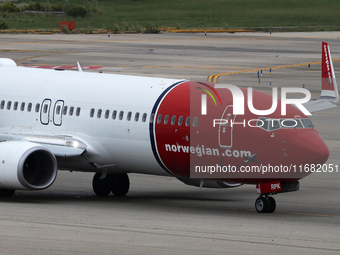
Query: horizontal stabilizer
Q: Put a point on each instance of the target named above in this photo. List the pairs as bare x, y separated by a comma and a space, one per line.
319, 105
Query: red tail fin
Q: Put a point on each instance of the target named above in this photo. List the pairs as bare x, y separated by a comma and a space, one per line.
329, 93
329, 85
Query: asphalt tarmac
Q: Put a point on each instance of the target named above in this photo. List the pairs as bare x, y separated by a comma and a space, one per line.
160, 215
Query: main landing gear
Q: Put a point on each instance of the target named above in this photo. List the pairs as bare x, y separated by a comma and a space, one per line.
265, 204
6, 192
104, 183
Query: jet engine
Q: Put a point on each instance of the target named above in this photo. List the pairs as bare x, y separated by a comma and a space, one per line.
26, 165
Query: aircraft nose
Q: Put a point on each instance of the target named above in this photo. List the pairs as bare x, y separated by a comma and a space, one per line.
309, 148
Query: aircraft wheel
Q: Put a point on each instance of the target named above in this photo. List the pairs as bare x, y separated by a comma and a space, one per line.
120, 184
101, 186
261, 205
271, 205
6, 192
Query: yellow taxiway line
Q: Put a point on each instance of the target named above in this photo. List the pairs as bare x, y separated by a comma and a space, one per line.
214, 77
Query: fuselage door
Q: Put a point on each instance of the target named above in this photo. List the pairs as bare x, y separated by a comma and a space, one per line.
225, 132
45, 111
58, 113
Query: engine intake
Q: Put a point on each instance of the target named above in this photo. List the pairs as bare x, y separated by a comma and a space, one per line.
26, 165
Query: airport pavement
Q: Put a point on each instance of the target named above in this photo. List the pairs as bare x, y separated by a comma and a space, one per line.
160, 214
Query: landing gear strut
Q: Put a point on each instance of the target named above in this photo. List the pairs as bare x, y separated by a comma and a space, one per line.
104, 183
265, 204
6, 192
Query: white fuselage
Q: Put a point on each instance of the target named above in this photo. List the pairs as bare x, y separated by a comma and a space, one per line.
92, 101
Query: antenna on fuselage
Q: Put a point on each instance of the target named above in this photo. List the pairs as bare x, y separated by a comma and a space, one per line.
79, 67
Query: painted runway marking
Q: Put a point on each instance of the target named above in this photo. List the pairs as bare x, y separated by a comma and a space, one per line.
237, 37
63, 67
214, 77
123, 66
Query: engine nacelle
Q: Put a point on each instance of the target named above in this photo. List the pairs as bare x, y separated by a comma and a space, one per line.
209, 183
26, 165
7, 62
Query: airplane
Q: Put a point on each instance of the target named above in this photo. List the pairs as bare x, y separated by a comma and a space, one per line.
113, 125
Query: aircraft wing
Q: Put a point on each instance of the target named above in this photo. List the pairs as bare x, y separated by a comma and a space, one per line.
329, 93
59, 145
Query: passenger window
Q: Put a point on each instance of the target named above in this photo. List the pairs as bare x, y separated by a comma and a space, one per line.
166, 119
57, 111
121, 115
65, 110
187, 121
29, 107
128, 117
137, 116
71, 110
180, 120
173, 119
78, 111
37, 107
99, 113
2, 105
9, 104
114, 114
144, 117
22, 107
159, 118
92, 112
15, 106
152, 117
107, 114
45, 108
195, 122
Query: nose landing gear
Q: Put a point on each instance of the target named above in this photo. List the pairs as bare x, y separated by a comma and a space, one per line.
265, 204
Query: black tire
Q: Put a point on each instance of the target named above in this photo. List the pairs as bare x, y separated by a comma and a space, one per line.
102, 187
120, 184
271, 205
7, 192
261, 205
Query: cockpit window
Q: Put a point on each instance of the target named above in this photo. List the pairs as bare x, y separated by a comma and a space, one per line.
268, 124
291, 123
307, 123
275, 124
262, 123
